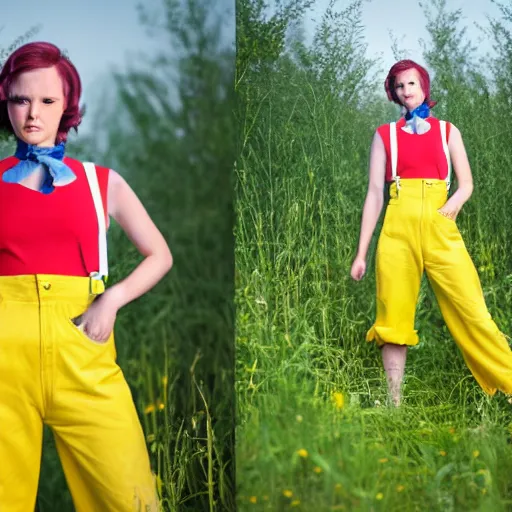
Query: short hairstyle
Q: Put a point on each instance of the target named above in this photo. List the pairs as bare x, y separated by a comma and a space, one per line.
404, 65
39, 55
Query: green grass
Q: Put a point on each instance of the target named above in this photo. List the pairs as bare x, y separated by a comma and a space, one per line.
301, 320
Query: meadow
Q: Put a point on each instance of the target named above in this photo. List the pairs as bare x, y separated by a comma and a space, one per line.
314, 431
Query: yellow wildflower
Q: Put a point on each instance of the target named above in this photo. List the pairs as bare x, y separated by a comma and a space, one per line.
159, 484
399, 488
451, 430
379, 496
299, 418
253, 499
317, 469
161, 406
287, 493
150, 408
338, 399
442, 453
302, 453
383, 460
165, 380
476, 453
295, 503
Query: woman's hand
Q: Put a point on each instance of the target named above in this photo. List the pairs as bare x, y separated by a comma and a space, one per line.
358, 268
449, 211
98, 321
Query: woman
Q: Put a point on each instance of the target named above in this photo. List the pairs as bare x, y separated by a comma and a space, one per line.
419, 233
57, 353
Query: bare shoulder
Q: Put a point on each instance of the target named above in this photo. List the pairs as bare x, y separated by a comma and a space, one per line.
455, 137
120, 195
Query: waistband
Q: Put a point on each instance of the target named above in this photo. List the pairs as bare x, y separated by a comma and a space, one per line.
49, 288
418, 187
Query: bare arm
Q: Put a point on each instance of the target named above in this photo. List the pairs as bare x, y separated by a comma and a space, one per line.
462, 170
127, 210
372, 206
375, 196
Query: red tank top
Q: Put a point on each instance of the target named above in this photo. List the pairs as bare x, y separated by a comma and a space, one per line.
54, 233
419, 156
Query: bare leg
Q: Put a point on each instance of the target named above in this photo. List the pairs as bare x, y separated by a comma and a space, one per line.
393, 359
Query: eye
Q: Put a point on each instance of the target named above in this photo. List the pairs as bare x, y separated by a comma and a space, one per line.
18, 100
48, 101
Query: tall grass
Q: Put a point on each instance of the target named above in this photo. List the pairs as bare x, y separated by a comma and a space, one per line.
313, 432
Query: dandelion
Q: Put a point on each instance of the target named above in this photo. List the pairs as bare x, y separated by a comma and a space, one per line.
476, 453
442, 453
384, 460
299, 418
149, 409
317, 470
295, 503
302, 453
161, 406
399, 488
287, 493
379, 496
338, 399
253, 499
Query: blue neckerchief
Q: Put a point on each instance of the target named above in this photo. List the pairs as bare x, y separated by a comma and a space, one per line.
422, 111
58, 173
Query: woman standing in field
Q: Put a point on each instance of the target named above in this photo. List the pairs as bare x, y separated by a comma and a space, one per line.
419, 233
57, 353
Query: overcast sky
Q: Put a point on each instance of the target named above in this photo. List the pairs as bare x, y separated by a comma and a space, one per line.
100, 35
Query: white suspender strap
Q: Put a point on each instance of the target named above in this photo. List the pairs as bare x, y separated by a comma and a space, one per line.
394, 153
92, 178
446, 152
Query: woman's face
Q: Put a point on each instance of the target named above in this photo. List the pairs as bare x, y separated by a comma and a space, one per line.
35, 106
408, 89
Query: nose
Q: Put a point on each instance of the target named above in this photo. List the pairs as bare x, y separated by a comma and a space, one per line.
33, 110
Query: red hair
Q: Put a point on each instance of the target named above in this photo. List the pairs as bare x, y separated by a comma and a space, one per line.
404, 65
39, 55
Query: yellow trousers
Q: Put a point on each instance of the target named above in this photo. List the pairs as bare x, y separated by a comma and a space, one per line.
416, 237
52, 373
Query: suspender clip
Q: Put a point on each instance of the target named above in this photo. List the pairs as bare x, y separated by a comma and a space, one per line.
96, 284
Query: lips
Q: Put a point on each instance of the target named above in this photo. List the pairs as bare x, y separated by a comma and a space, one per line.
32, 128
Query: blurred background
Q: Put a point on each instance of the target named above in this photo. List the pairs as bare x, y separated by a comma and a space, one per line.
158, 92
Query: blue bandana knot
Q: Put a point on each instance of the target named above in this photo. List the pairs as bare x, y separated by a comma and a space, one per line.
415, 120
31, 157
422, 111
